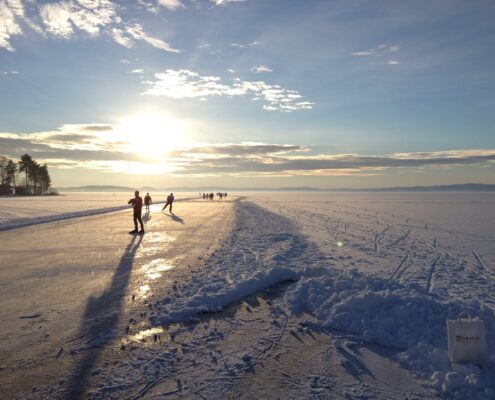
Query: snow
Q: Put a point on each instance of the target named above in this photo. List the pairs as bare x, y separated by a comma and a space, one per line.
316, 295
399, 317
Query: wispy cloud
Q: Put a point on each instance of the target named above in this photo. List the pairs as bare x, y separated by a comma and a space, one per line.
261, 68
138, 33
245, 45
9, 26
224, 2
381, 50
103, 147
179, 84
66, 19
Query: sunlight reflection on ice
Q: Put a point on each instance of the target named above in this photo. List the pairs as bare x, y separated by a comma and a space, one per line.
144, 289
146, 333
154, 275
152, 270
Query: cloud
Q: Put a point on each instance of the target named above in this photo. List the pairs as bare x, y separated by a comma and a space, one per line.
225, 2
103, 147
179, 84
282, 162
62, 18
67, 18
137, 32
96, 127
243, 46
261, 68
393, 62
136, 71
9, 26
240, 149
171, 4
378, 51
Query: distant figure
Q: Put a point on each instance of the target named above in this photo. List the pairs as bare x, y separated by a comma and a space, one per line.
211, 196
137, 205
147, 201
170, 200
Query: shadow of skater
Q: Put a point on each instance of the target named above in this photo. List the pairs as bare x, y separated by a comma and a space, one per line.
175, 218
146, 216
100, 320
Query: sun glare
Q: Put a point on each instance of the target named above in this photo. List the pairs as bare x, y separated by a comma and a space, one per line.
151, 135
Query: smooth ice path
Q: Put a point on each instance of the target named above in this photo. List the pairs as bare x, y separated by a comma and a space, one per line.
71, 288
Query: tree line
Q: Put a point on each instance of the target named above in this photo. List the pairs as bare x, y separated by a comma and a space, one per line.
24, 177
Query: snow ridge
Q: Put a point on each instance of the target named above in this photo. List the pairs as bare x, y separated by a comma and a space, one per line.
22, 222
262, 250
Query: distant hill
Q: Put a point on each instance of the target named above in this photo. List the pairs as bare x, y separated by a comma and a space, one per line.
463, 187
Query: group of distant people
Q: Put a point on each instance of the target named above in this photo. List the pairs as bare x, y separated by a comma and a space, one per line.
137, 206
211, 196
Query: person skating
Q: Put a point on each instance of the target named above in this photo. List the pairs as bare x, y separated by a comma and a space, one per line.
147, 201
170, 200
137, 205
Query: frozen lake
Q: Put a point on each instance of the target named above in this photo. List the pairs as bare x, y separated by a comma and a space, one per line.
313, 295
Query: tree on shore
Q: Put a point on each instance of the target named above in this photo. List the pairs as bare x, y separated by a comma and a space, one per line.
8, 169
25, 165
37, 178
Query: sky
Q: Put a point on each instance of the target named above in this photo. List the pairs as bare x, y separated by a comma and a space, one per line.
250, 93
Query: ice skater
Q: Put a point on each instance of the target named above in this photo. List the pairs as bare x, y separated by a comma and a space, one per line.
147, 201
170, 200
137, 205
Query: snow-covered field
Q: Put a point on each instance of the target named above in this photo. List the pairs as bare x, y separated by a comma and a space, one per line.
266, 295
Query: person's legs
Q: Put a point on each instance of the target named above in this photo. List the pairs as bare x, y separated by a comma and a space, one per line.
170, 207
135, 221
140, 221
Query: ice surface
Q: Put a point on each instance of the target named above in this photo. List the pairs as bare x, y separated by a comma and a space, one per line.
24, 211
343, 295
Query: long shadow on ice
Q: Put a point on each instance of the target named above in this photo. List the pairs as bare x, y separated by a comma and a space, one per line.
101, 318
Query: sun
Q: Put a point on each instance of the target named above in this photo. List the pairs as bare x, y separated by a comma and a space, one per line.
151, 135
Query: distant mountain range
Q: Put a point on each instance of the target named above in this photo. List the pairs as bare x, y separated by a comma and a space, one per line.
463, 187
